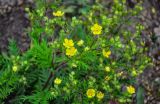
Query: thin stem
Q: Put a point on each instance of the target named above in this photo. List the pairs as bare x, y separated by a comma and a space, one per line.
52, 74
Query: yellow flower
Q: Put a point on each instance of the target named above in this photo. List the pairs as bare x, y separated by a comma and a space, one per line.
131, 89
134, 73
86, 48
74, 65
100, 95
15, 68
96, 29
71, 51
120, 73
106, 54
57, 81
58, 13
80, 43
68, 43
107, 78
107, 69
90, 93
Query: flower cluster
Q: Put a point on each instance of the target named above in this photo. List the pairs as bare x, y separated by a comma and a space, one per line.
70, 49
79, 56
92, 93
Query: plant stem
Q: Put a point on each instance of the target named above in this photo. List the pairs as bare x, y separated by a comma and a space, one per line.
52, 74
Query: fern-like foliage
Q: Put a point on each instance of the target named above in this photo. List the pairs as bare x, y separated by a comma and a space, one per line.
13, 49
39, 97
41, 54
8, 83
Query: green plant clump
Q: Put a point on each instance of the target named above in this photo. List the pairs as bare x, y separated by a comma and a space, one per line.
76, 56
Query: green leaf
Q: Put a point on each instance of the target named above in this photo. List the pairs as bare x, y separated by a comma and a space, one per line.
41, 54
140, 95
13, 49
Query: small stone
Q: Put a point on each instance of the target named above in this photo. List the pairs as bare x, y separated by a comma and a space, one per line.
157, 80
157, 31
20, 2
30, 1
158, 102
9, 9
145, 101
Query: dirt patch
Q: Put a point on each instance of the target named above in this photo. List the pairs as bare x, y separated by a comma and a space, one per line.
13, 23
